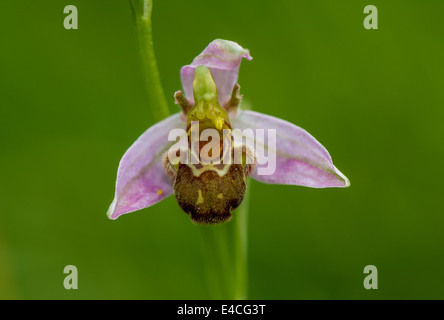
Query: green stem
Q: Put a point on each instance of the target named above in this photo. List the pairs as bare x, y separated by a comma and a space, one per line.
7, 281
142, 12
226, 244
225, 248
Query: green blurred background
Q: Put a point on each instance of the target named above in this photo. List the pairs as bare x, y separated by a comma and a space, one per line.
72, 102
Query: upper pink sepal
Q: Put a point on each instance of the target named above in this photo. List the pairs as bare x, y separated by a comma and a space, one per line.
223, 58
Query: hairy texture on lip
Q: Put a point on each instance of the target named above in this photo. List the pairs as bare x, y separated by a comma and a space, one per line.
210, 198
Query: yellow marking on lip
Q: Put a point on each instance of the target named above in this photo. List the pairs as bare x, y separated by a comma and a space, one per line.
209, 167
200, 199
159, 192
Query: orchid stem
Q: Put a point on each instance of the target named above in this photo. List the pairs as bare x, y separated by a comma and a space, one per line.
142, 12
226, 246
8, 289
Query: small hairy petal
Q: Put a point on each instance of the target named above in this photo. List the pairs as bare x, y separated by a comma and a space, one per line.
300, 158
223, 58
141, 179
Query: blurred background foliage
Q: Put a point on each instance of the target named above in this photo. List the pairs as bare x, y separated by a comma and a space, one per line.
72, 102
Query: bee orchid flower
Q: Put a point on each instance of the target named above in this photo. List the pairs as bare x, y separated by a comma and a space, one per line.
210, 190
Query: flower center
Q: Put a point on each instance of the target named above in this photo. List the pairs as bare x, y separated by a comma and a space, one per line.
208, 190
206, 108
